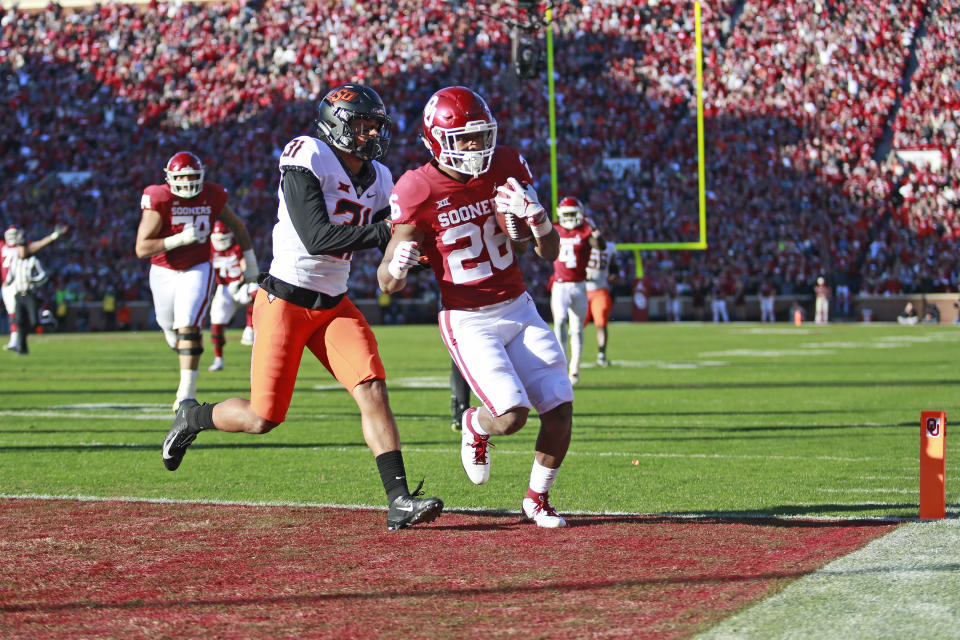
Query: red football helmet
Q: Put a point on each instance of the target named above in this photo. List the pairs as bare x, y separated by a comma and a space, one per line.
570, 213
221, 238
185, 174
452, 115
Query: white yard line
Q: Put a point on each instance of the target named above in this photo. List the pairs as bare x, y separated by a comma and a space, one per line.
953, 509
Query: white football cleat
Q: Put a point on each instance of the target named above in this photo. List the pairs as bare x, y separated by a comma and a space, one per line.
474, 454
602, 360
247, 337
541, 513
217, 365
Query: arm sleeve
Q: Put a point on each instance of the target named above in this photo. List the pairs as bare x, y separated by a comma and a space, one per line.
303, 196
381, 218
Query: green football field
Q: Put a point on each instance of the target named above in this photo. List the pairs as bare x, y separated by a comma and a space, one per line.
700, 419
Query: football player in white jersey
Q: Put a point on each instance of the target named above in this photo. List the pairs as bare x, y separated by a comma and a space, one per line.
174, 233
489, 323
334, 199
599, 299
15, 244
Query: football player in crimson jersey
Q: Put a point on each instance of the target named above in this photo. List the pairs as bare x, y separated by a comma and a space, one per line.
568, 295
232, 292
489, 323
15, 244
174, 232
334, 200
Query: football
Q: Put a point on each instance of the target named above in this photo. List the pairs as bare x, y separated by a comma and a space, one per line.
515, 227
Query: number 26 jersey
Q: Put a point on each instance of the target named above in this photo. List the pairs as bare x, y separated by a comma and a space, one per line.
472, 259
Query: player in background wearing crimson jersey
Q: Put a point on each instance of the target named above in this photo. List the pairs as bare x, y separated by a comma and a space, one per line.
568, 294
174, 232
333, 200
489, 323
15, 244
232, 292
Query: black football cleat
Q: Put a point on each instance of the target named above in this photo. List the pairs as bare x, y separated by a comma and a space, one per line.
179, 437
412, 509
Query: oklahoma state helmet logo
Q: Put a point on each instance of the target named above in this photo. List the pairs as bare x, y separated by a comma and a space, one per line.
341, 95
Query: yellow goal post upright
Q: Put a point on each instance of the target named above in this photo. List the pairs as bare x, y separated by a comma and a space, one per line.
637, 247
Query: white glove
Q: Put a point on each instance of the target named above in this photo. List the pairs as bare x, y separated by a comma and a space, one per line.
251, 272
522, 202
185, 237
242, 292
405, 256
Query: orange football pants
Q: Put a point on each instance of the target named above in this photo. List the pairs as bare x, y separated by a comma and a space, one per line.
340, 338
599, 306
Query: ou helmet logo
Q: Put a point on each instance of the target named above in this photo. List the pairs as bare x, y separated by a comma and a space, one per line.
430, 110
933, 427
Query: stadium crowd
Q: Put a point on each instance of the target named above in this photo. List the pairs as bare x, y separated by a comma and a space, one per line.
808, 106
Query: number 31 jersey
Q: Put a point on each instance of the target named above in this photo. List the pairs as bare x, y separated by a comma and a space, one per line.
472, 259
292, 262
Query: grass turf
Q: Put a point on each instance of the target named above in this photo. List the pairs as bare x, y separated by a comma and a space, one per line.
738, 419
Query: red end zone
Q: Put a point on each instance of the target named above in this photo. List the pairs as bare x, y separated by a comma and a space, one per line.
127, 569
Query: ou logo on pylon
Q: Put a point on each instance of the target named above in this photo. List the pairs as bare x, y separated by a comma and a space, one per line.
933, 427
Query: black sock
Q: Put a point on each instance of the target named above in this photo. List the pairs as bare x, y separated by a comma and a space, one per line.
201, 418
392, 474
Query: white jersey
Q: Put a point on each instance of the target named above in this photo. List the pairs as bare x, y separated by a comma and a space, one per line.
598, 267
291, 261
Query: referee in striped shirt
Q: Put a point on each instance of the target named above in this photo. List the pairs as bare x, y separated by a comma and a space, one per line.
25, 275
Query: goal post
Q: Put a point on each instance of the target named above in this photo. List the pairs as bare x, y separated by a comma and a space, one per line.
637, 247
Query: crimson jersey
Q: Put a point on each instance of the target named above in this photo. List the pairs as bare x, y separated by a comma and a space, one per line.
7, 252
201, 211
226, 264
571, 263
471, 257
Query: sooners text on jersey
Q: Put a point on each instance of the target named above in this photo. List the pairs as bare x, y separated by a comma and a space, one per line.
571, 263
176, 213
472, 258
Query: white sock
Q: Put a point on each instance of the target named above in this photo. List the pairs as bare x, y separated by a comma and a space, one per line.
13, 337
475, 423
188, 384
541, 477
576, 350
